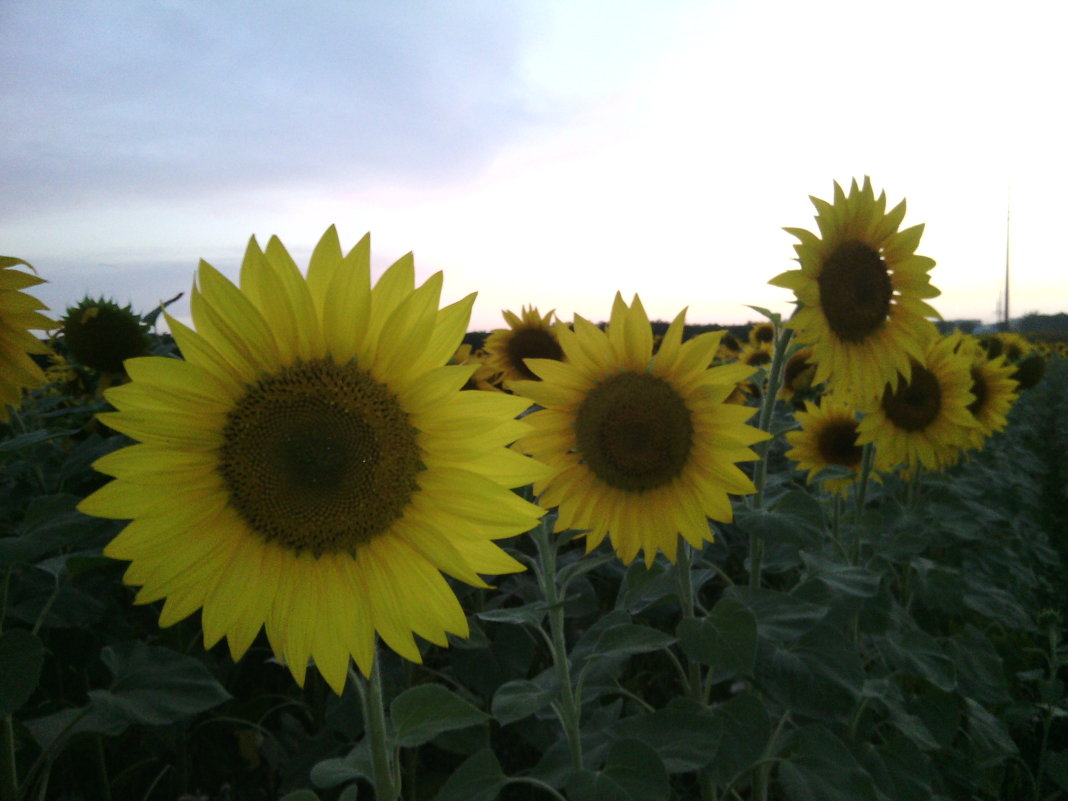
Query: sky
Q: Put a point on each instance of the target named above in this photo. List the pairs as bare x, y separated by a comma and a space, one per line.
545, 152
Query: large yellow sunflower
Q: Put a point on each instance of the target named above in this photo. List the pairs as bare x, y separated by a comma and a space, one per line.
311, 465
860, 290
827, 438
924, 420
19, 314
641, 448
531, 336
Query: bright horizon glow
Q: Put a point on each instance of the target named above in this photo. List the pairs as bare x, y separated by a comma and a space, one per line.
668, 158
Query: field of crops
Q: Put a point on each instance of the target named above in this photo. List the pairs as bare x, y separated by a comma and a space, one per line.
311, 549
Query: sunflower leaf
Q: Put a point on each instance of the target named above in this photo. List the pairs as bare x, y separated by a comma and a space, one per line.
21, 656
479, 778
632, 772
421, 713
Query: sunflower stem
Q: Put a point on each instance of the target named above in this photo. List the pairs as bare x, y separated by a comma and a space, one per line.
567, 709
767, 406
9, 779
374, 721
867, 462
684, 577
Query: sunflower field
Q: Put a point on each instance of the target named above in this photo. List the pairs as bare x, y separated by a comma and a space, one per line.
325, 544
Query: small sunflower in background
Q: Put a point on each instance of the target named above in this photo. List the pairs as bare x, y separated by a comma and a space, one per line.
20, 313
924, 419
640, 448
310, 466
762, 335
1029, 370
797, 374
994, 390
1013, 347
100, 334
729, 348
755, 356
827, 438
483, 378
532, 336
861, 291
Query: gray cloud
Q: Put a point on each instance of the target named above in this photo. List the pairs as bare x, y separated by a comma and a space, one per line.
105, 99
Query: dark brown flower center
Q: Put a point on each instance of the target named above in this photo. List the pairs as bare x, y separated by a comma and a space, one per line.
916, 402
798, 367
758, 358
319, 457
634, 432
979, 389
837, 443
764, 332
855, 291
532, 343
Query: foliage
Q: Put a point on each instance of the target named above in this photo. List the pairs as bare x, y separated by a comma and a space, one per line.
909, 647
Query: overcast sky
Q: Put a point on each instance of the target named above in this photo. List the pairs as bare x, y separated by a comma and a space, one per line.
538, 151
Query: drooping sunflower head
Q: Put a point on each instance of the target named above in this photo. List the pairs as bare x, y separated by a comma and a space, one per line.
20, 313
640, 448
532, 336
1030, 369
1013, 346
100, 334
729, 348
924, 419
827, 438
861, 291
311, 466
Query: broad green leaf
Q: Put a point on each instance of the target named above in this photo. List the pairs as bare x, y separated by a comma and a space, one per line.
685, 739
990, 739
356, 764
725, 640
780, 617
155, 686
917, 652
627, 639
479, 778
517, 699
823, 769
746, 731
1056, 768
529, 614
421, 713
818, 674
21, 657
858, 582
632, 772
300, 795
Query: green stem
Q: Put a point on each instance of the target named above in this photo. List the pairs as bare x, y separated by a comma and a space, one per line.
102, 768
912, 491
374, 721
866, 465
767, 407
684, 578
9, 779
568, 708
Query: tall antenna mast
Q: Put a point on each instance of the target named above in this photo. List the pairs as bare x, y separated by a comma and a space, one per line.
1005, 308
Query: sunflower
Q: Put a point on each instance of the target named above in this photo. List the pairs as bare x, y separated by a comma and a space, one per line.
924, 419
100, 334
311, 465
1013, 346
797, 373
530, 336
827, 438
19, 314
762, 334
994, 390
729, 348
860, 290
756, 356
641, 448
483, 378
